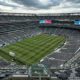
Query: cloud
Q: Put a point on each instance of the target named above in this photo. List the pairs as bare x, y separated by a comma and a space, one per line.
40, 6
74, 1
28, 3
8, 3
71, 4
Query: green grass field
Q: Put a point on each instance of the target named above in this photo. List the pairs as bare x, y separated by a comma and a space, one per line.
32, 50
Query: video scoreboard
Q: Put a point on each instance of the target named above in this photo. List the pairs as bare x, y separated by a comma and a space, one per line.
45, 21
77, 22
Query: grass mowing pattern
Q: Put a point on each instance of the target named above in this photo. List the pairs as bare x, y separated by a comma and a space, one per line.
31, 50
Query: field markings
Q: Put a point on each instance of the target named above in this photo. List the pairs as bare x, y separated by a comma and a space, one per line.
33, 49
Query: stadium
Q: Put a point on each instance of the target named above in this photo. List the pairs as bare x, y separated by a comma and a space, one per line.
39, 46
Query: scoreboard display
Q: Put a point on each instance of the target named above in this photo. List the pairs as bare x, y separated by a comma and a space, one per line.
77, 22
42, 21
45, 21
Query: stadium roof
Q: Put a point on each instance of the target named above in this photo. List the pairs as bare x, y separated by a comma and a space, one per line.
35, 14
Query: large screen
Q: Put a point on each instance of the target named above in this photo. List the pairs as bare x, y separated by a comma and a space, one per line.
45, 21
42, 21
77, 22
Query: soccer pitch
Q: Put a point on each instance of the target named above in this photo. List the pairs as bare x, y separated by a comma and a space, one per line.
32, 50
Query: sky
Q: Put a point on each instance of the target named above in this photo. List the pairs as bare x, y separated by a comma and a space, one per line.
40, 6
